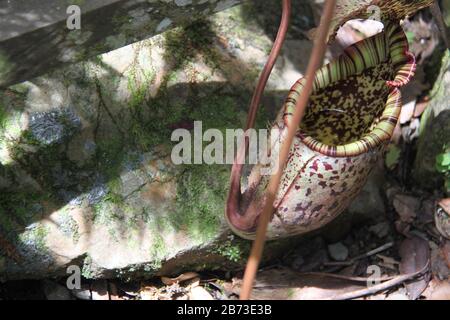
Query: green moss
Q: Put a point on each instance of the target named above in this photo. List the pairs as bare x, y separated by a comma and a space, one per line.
139, 88
3, 118
20, 208
158, 249
36, 236
114, 198
104, 212
234, 250
9, 120
201, 196
152, 267
5, 65
75, 2
290, 293
110, 154
184, 43
86, 270
68, 225
443, 166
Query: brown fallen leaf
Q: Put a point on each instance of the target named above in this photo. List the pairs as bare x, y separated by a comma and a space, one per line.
426, 214
420, 107
442, 217
195, 282
406, 207
402, 227
438, 290
199, 293
182, 277
149, 293
415, 255
374, 9
440, 260
445, 204
285, 284
388, 262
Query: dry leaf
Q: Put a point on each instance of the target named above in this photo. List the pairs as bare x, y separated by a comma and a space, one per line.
406, 207
388, 262
438, 290
415, 254
426, 214
149, 293
420, 107
402, 227
199, 293
445, 204
442, 217
440, 260
194, 283
182, 277
285, 284
356, 9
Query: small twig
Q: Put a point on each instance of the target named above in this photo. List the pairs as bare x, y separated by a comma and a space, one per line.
334, 110
103, 104
338, 263
344, 277
382, 286
362, 256
374, 251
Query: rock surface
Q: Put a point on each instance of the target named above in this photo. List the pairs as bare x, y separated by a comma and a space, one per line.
338, 251
86, 175
434, 131
38, 35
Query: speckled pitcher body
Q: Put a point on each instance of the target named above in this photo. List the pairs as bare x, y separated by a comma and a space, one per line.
351, 116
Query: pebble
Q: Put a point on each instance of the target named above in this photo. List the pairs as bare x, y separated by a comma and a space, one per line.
338, 251
381, 229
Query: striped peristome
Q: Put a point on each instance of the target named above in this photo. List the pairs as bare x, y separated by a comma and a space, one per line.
352, 112
390, 46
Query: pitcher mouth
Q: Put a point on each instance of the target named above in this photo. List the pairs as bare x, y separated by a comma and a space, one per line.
382, 132
355, 103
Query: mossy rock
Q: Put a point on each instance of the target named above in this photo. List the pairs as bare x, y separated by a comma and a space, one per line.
98, 188
434, 131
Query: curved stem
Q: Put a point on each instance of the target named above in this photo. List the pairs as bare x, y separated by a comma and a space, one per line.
314, 63
246, 221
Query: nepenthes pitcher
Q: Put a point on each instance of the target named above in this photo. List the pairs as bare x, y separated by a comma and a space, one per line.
350, 119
